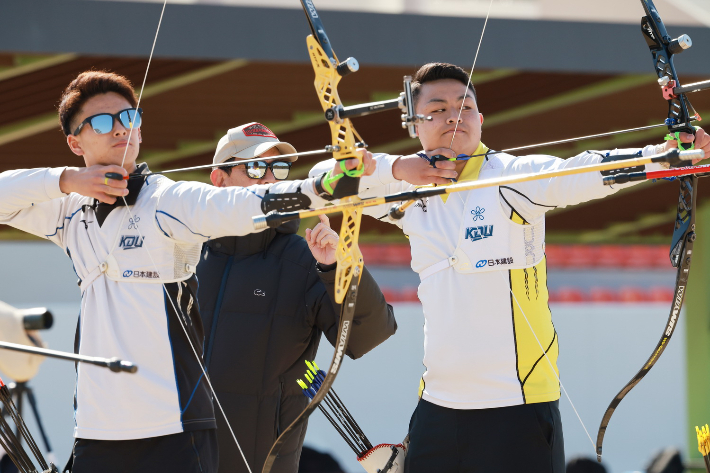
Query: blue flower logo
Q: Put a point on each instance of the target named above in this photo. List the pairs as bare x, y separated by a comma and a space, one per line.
477, 213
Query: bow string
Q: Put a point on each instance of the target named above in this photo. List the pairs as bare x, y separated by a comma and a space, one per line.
179, 315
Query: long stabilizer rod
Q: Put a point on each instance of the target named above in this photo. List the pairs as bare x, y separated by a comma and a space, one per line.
114, 364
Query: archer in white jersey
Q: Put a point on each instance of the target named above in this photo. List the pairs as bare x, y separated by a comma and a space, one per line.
490, 345
136, 267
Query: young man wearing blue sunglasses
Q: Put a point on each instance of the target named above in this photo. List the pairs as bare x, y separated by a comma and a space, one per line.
137, 276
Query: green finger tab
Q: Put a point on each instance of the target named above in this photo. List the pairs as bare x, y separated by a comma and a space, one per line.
351, 172
676, 137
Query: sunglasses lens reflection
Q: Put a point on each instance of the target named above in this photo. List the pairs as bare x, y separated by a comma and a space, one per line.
102, 124
280, 170
130, 118
256, 170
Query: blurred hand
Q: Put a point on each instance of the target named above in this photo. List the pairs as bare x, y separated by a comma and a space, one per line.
701, 138
322, 241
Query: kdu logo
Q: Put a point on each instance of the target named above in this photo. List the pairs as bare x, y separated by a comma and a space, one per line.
479, 233
130, 242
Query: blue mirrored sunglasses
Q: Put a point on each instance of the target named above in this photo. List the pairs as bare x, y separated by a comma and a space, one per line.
103, 122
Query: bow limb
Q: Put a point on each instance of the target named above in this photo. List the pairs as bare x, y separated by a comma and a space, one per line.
681, 252
680, 115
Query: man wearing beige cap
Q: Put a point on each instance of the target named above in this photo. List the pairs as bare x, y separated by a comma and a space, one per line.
246, 142
265, 301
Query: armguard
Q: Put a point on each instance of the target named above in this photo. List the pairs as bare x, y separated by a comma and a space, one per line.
285, 202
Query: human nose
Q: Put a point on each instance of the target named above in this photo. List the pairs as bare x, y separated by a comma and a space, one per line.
455, 117
268, 177
118, 128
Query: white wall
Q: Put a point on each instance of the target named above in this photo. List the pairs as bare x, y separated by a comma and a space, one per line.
602, 347
674, 12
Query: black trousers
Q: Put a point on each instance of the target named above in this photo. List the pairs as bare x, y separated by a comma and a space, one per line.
186, 452
525, 438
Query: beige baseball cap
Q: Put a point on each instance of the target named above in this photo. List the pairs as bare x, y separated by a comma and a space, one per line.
249, 141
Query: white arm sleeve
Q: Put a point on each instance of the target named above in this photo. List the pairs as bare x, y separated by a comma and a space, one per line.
194, 212
532, 199
31, 201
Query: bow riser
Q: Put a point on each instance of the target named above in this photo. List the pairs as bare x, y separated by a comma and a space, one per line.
663, 48
347, 253
348, 256
345, 139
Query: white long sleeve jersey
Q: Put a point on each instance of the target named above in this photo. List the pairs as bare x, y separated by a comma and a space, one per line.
480, 258
136, 270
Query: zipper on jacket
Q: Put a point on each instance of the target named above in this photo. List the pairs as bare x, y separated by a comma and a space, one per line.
217, 310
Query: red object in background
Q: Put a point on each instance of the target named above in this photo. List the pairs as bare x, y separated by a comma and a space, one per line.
660, 256
557, 255
596, 294
632, 294
607, 256
567, 294
602, 294
612, 256
409, 294
583, 256
391, 294
386, 254
373, 254
660, 294
397, 255
648, 256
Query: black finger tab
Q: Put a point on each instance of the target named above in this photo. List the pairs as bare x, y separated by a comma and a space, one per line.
115, 176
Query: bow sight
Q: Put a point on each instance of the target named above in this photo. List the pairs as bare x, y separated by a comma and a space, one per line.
404, 102
680, 112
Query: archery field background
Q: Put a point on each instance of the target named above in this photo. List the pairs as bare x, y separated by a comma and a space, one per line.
602, 345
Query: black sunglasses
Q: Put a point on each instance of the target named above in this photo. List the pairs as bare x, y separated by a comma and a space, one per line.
257, 169
103, 122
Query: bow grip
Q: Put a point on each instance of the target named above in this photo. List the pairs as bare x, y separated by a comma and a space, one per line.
346, 187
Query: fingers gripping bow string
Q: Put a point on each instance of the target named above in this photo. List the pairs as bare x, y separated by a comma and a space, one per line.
178, 312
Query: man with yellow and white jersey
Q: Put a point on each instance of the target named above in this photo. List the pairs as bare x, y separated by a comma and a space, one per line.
490, 345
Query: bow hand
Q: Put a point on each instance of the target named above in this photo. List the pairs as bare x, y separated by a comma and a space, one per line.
701, 140
343, 167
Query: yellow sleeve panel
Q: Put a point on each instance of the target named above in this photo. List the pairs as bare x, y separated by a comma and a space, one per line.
529, 295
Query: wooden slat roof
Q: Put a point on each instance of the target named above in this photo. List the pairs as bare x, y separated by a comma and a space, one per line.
189, 104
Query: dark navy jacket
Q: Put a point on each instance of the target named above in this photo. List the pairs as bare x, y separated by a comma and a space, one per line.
265, 305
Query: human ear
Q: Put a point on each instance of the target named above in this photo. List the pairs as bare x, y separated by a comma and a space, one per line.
75, 145
217, 178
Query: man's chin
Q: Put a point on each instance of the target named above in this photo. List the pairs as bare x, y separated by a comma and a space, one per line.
115, 159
